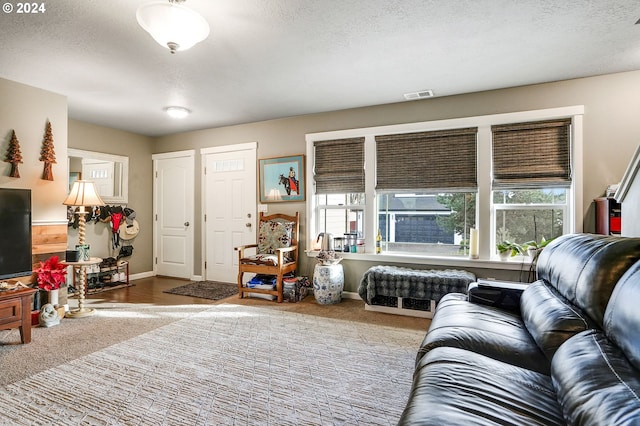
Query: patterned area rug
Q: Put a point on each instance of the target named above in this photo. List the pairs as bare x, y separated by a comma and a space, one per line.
213, 290
228, 365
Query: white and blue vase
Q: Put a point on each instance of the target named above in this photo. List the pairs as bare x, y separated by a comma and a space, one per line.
328, 283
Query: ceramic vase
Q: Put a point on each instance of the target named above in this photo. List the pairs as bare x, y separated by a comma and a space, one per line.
328, 283
53, 297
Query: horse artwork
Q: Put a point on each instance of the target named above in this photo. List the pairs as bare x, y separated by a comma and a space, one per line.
282, 172
290, 184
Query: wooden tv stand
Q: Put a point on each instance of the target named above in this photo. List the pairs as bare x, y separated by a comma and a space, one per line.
15, 311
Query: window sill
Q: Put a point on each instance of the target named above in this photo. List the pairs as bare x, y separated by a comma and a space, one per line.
516, 264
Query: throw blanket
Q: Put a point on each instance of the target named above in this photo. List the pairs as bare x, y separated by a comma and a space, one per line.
411, 283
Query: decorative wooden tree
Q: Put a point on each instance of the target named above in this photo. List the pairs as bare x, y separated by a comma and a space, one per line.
14, 156
48, 154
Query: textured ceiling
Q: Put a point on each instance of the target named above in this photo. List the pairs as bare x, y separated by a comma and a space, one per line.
268, 59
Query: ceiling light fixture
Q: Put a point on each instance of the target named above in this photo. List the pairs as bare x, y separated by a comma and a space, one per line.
177, 112
172, 25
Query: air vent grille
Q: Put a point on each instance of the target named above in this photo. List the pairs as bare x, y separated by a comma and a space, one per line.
422, 94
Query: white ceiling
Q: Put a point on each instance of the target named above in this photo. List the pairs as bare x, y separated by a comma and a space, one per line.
267, 59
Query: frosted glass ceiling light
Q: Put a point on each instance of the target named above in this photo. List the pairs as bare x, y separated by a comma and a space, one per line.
177, 112
172, 25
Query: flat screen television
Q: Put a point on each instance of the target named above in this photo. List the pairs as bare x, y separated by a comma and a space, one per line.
15, 233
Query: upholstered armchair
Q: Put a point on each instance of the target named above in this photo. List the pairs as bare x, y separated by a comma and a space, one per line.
276, 253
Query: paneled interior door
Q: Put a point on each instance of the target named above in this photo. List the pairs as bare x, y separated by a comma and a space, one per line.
173, 213
229, 189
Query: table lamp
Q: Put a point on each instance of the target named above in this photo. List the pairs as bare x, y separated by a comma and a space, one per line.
83, 193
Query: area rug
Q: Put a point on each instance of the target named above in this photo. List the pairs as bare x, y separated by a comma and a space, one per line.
230, 364
213, 290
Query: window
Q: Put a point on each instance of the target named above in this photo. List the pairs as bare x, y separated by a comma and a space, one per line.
339, 179
434, 224
531, 180
341, 215
531, 215
413, 171
427, 184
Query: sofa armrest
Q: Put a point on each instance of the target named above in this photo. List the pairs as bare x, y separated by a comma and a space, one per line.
500, 294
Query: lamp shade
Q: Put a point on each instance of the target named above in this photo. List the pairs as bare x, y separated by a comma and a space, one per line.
83, 193
173, 26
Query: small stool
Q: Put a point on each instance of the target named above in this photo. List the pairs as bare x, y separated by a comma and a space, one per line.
328, 283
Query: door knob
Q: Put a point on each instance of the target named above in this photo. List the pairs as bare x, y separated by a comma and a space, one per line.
248, 224
186, 224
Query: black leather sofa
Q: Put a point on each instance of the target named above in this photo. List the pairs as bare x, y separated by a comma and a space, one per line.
570, 355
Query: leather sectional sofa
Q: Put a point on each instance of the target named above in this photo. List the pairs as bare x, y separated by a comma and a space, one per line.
569, 355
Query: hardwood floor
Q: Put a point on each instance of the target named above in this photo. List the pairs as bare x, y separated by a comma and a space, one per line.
150, 290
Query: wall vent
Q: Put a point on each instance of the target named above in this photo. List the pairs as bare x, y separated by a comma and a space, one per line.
422, 94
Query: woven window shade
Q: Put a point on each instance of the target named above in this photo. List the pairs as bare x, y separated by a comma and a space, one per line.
443, 160
532, 155
339, 166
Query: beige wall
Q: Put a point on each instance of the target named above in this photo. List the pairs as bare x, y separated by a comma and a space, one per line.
611, 133
26, 110
90, 137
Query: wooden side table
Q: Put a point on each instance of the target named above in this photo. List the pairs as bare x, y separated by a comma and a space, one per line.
15, 311
81, 268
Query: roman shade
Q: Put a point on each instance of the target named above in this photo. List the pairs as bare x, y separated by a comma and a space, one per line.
339, 166
532, 155
442, 160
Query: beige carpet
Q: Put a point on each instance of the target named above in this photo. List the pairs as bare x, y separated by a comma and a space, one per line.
112, 323
229, 364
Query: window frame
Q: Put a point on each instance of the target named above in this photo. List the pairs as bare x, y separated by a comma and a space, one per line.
485, 212
496, 208
346, 207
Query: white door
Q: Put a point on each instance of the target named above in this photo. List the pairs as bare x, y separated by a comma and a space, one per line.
102, 175
229, 203
173, 213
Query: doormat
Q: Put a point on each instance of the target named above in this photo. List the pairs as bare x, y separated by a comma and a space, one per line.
213, 290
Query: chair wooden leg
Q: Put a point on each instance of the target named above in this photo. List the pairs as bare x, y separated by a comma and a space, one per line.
279, 287
240, 292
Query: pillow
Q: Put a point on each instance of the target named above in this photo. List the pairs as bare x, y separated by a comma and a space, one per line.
274, 235
261, 259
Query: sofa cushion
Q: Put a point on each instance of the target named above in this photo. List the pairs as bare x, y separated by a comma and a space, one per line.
622, 317
549, 317
584, 268
489, 331
595, 383
261, 259
457, 387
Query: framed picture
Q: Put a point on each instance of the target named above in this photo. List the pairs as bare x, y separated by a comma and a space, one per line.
282, 179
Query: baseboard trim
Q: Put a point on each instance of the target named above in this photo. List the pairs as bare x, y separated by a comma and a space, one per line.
351, 295
142, 275
398, 311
